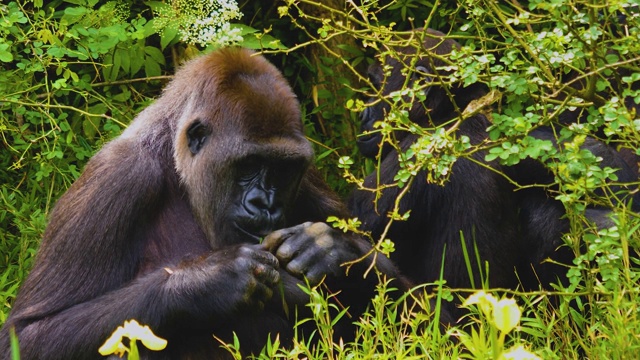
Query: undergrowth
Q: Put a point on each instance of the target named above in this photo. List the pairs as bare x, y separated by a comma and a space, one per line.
74, 73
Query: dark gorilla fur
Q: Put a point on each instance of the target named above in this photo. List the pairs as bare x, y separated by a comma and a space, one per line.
512, 230
164, 226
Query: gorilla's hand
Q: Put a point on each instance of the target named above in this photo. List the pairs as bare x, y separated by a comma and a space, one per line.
255, 273
311, 250
232, 279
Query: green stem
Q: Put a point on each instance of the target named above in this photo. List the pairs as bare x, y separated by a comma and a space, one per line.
133, 351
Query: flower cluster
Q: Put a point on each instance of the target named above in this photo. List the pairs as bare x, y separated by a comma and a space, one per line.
201, 22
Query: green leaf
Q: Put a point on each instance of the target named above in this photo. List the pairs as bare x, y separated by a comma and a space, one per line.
253, 39
73, 14
108, 66
168, 35
157, 5
155, 54
125, 60
90, 127
244, 29
151, 67
70, 74
490, 157
136, 60
123, 96
150, 28
117, 60
57, 52
15, 347
5, 55
324, 154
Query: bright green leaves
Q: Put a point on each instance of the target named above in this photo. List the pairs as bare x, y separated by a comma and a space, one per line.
435, 153
254, 39
152, 61
528, 147
72, 15
11, 17
512, 123
5, 53
167, 36
57, 94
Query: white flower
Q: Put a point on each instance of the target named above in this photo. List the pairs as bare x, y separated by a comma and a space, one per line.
518, 353
203, 23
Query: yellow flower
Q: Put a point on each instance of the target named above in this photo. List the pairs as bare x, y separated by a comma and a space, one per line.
134, 331
518, 353
506, 315
113, 345
485, 302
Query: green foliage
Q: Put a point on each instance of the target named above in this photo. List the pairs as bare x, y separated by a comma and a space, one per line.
73, 73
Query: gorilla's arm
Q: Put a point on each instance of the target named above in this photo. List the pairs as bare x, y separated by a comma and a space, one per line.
442, 216
172, 302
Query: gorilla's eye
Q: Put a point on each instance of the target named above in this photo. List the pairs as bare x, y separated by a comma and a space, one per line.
197, 134
422, 72
248, 169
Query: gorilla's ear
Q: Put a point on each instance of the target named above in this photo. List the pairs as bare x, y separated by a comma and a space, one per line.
197, 134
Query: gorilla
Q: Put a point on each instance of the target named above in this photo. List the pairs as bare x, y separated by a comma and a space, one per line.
478, 208
202, 219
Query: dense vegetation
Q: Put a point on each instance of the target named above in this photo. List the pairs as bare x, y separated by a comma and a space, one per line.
73, 73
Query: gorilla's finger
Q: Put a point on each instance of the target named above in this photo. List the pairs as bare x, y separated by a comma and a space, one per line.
296, 268
265, 257
267, 275
320, 243
276, 238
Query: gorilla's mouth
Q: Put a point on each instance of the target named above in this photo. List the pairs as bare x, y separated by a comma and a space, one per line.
254, 236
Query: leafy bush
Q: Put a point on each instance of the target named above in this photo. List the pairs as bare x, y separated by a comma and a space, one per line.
73, 73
